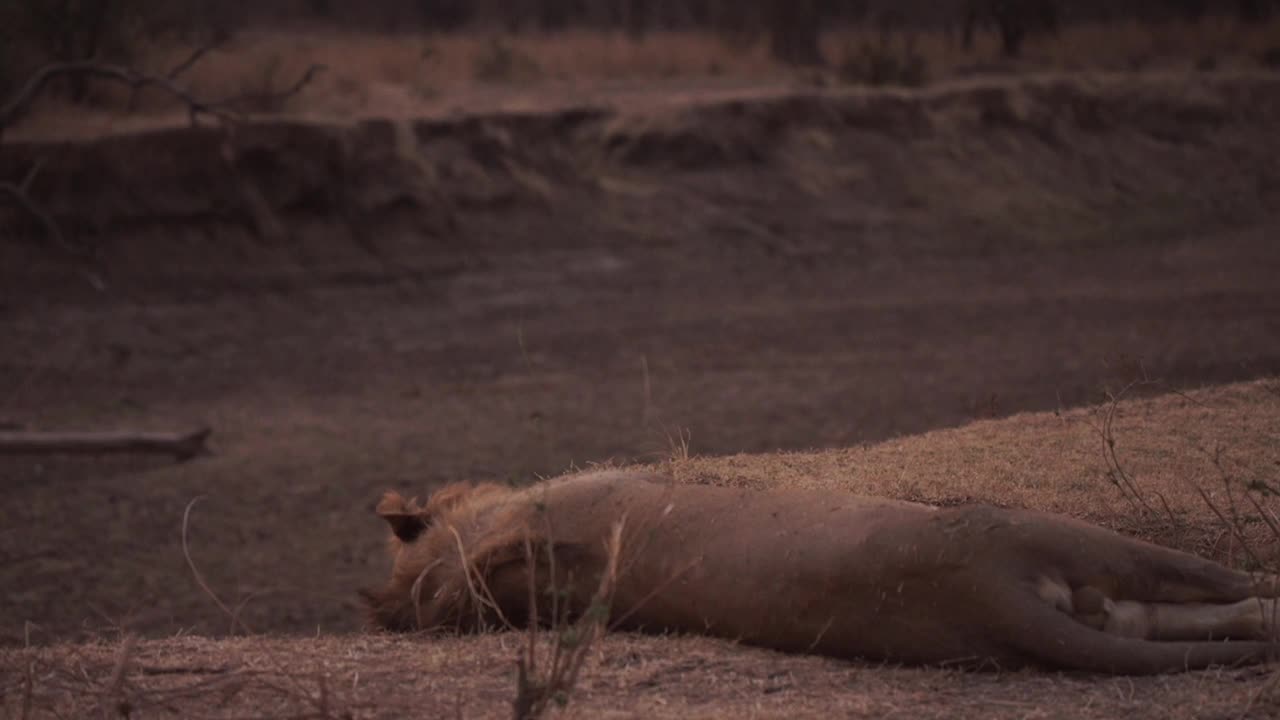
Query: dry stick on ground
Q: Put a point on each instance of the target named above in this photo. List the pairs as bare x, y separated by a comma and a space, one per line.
181, 445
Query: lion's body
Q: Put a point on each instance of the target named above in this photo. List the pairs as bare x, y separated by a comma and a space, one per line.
829, 573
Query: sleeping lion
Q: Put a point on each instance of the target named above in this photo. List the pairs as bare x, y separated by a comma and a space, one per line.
822, 572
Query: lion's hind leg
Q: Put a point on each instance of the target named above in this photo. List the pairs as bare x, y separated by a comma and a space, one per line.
1039, 628
1204, 581
1249, 619
1155, 574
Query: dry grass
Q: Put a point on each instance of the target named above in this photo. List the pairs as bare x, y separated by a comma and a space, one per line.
378, 676
1051, 461
1173, 448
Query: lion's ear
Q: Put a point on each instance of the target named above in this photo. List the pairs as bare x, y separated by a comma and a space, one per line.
406, 519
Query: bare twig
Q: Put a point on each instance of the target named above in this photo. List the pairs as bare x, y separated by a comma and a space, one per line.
177, 70
195, 57
1105, 429
223, 109
272, 97
10, 112
535, 694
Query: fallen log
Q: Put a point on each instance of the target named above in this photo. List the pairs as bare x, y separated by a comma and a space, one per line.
182, 446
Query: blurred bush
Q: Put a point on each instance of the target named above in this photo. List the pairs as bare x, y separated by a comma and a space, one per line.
880, 64
500, 62
33, 33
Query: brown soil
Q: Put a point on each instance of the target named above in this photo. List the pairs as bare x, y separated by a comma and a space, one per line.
495, 296
628, 676
1048, 461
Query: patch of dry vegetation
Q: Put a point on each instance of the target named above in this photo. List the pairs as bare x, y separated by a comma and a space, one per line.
1174, 446
1178, 450
405, 74
373, 677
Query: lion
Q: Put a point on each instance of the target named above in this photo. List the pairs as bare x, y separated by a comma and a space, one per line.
821, 572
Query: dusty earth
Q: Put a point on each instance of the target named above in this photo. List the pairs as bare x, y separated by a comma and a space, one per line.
1047, 461
499, 295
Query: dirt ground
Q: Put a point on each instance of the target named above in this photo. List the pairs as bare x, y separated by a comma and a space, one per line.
631, 676
1045, 461
357, 306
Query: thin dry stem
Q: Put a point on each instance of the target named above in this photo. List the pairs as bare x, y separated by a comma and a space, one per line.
415, 593
532, 621
115, 685
534, 695
199, 577
477, 587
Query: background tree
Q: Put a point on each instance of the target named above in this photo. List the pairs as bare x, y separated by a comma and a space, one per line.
794, 29
1014, 20
64, 31
1255, 11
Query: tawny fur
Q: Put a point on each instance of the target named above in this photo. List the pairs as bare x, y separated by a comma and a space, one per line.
821, 572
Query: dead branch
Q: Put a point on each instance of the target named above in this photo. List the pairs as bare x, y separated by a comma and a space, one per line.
223, 109
226, 110
195, 57
182, 446
271, 97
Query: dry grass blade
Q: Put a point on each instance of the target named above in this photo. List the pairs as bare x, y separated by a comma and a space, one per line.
28, 690
233, 615
481, 597
415, 592
114, 700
